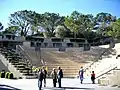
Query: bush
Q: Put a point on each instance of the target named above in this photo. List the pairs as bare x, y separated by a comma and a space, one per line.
7, 74
11, 76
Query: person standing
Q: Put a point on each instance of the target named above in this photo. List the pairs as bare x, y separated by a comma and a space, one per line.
45, 75
40, 78
81, 72
93, 77
54, 77
59, 75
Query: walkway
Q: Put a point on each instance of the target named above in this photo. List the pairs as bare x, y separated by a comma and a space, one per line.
67, 84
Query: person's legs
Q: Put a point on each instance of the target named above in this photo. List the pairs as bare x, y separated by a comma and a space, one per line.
44, 82
40, 85
59, 82
54, 82
93, 81
81, 80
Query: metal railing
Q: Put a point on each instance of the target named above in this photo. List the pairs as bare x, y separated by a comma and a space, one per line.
107, 70
26, 57
99, 57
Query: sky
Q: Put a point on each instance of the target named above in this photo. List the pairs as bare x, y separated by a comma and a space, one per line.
63, 7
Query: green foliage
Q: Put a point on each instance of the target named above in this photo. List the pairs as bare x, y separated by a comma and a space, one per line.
79, 23
75, 25
60, 31
114, 29
11, 30
73, 21
30, 21
50, 22
105, 17
105, 29
1, 26
23, 20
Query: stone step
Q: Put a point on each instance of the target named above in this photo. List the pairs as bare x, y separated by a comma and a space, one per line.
23, 71
30, 74
19, 64
20, 68
103, 82
63, 66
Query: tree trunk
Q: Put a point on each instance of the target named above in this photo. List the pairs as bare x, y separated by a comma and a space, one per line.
75, 36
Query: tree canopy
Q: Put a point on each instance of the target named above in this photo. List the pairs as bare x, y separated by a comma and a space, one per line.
52, 24
61, 31
23, 20
114, 29
1, 26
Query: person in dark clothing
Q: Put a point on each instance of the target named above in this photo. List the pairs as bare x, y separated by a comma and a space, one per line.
54, 77
40, 78
3, 74
59, 76
93, 77
44, 76
81, 72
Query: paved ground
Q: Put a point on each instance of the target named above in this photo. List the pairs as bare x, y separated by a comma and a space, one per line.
67, 84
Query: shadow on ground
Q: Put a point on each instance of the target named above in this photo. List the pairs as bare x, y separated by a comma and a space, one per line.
7, 87
69, 88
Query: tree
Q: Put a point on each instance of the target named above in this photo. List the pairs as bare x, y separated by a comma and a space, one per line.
105, 17
79, 23
50, 22
60, 31
104, 22
114, 29
23, 20
87, 25
1, 26
72, 22
11, 30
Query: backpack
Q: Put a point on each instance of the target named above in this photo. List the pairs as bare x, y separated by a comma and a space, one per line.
61, 73
40, 76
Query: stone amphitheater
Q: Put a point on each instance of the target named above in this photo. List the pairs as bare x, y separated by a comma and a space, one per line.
70, 60
22, 57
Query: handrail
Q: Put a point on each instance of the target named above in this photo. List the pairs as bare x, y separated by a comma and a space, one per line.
103, 72
24, 53
97, 59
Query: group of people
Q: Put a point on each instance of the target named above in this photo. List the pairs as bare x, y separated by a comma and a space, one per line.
81, 75
56, 76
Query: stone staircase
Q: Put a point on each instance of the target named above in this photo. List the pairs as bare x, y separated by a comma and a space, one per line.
70, 60
112, 78
17, 62
107, 69
69, 66
52, 58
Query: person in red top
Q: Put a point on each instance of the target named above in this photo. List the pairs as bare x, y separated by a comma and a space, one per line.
93, 77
